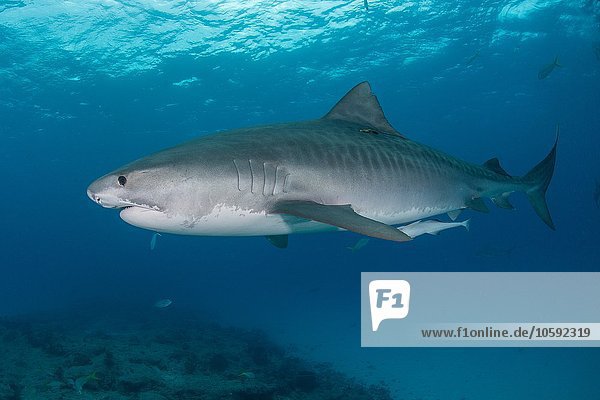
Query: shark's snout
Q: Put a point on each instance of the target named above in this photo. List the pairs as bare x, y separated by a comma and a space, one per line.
101, 192
93, 197
95, 189
98, 199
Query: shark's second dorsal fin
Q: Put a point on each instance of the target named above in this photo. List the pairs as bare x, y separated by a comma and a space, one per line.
360, 106
493, 164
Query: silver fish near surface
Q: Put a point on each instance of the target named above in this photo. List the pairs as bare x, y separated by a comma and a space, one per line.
349, 170
548, 69
472, 58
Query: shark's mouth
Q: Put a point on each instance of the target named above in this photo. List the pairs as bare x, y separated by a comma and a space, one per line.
128, 205
111, 201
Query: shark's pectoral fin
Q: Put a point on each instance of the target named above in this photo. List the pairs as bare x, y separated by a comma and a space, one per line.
477, 204
342, 216
279, 241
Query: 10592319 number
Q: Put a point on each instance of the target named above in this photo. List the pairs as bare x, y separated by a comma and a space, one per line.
546, 332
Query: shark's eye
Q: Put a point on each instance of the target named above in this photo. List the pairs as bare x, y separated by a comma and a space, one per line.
122, 180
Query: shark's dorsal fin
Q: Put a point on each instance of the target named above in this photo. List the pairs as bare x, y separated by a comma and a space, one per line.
493, 164
360, 106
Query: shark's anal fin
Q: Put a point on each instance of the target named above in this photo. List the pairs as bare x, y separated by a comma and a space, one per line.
477, 204
279, 241
361, 106
503, 202
342, 216
493, 164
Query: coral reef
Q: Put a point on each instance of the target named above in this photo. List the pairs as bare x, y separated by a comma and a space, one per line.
157, 356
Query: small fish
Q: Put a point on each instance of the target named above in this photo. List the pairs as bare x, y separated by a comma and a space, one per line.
358, 245
471, 59
80, 382
248, 375
153, 240
547, 70
597, 194
431, 227
366, 2
164, 303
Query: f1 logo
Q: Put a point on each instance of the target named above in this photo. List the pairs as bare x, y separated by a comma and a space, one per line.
389, 299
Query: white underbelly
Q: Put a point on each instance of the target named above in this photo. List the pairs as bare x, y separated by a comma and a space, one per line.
222, 221
234, 221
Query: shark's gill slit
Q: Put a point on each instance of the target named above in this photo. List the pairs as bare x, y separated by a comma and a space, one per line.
238, 175
285, 181
270, 178
275, 184
264, 178
275, 181
251, 177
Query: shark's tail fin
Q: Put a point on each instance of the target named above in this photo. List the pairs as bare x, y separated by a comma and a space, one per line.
538, 180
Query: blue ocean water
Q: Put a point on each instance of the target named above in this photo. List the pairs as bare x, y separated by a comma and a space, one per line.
87, 86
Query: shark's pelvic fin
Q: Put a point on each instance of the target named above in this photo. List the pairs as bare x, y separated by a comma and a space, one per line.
361, 106
493, 164
279, 241
342, 216
454, 214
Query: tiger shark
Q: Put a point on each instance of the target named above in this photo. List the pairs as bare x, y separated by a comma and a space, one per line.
349, 170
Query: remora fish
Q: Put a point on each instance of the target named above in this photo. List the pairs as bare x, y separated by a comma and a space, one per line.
347, 170
431, 227
547, 70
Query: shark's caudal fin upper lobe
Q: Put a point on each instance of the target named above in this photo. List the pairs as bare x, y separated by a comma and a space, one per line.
538, 179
